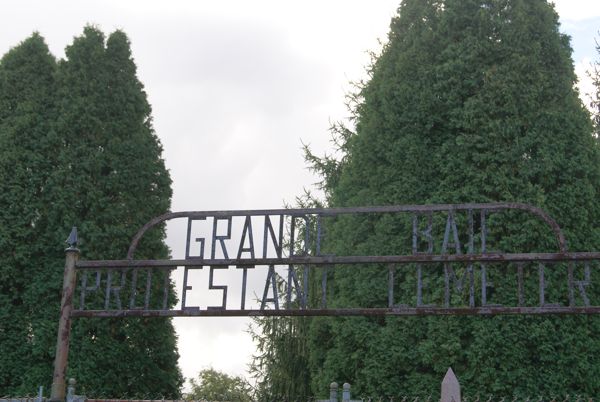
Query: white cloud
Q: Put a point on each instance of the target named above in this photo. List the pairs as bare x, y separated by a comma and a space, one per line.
585, 85
576, 10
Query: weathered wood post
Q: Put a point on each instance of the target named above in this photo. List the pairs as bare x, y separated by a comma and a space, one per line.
450, 387
333, 392
64, 325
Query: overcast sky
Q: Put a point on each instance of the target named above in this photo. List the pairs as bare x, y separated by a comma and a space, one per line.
236, 87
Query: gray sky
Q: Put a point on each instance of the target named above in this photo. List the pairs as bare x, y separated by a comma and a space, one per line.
235, 86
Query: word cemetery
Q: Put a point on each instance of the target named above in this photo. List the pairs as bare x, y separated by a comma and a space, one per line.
275, 263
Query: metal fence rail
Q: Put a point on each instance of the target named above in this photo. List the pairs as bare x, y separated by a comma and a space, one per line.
23, 399
397, 398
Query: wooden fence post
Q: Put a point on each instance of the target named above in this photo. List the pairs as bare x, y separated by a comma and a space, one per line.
450, 387
64, 326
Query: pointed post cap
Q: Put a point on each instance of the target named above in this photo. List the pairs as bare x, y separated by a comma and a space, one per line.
450, 387
72, 240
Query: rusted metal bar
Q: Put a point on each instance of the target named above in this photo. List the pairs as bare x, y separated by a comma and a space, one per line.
346, 260
394, 311
64, 326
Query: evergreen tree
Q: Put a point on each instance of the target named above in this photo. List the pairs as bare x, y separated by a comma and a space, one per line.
114, 181
28, 149
594, 74
470, 101
100, 168
281, 365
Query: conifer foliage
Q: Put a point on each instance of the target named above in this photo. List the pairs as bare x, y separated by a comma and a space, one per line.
594, 74
470, 101
27, 158
78, 148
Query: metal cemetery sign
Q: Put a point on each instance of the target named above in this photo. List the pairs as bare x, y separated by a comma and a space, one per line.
440, 260
262, 263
